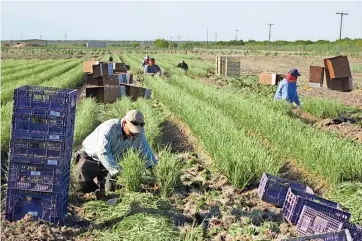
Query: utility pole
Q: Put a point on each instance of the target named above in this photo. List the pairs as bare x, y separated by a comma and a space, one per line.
215, 37
40, 36
236, 33
65, 37
270, 24
340, 31
207, 38
171, 38
21, 34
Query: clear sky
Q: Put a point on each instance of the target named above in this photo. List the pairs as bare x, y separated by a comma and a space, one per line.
189, 20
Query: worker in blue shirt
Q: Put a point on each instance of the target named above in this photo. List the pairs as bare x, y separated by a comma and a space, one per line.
287, 88
152, 68
107, 143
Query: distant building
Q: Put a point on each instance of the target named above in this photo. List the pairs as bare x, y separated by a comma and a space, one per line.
96, 44
35, 42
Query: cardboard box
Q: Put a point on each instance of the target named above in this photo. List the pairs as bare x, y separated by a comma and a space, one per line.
137, 91
119, 67
102, 69
122, 78
338, 67
88, 66
104, 94
316, 76
342, 84
270, 79
91, 80
108, 80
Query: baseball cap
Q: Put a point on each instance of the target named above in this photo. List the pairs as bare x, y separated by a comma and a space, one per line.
135, 121
294, 72
147, 57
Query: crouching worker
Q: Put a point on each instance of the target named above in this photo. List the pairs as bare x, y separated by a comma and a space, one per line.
100, 150
152, 68
183, 65
287, 88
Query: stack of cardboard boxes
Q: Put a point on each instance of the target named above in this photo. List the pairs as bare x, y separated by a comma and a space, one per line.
270, 79
109, 81
103, 80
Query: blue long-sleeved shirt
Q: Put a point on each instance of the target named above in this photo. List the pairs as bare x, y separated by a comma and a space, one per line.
107, 142
287, 91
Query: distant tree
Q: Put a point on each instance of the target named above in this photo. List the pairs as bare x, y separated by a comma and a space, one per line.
173, 45
161, 43
135, 45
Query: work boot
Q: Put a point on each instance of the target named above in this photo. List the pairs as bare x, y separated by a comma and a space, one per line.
100, 194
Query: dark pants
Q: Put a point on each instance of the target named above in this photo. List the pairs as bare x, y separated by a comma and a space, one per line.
87, 170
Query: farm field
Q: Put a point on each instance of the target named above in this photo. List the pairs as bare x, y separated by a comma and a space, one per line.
214, 137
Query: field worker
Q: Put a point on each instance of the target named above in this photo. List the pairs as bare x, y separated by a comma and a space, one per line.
183, 65
145, 61
287, 88
99, 152
152, 68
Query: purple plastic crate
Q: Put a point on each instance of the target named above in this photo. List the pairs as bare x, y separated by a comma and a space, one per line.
20, 110
312, 221
296, 200
342, 235
45, 98
354, 229
40, 128
274, 189
51, 162
45, 206
42, 149
37, 178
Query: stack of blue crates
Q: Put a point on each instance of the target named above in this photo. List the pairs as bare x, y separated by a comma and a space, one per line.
40, 153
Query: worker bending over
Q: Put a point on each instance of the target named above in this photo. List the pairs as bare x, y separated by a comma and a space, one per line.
152, 68
287, 88
107, 143
183, 65
145, 61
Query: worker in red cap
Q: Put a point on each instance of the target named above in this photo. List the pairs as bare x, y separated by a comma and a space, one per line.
98, 155
287, 88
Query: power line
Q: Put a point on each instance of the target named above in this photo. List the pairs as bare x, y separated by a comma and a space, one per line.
340, 31
236, 33
270, 24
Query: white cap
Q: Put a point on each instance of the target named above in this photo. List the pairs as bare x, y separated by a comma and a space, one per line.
135, 119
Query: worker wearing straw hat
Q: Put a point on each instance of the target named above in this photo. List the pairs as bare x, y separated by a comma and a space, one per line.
100, 150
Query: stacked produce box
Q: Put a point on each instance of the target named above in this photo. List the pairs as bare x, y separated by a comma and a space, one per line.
40, 153
338, 73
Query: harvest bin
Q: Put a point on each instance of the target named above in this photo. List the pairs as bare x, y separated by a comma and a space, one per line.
274, 189
40, 153
342, 235
296, 200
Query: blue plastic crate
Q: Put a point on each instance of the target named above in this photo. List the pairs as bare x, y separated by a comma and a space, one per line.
312, 221
354, 229
42, 149
26, 126
44, 136
51, 207
274, 189
51, 162
20, 110
45, 98
38, 178
296, 200
342, 235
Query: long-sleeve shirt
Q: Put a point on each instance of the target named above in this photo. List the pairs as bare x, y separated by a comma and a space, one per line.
152, 69
287, 91
108, 142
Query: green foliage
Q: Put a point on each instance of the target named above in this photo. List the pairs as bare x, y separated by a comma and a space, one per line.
133, 171
168, 172
349, 195
161, 43
323, 108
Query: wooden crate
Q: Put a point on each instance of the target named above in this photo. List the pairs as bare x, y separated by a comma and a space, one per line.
227, 66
